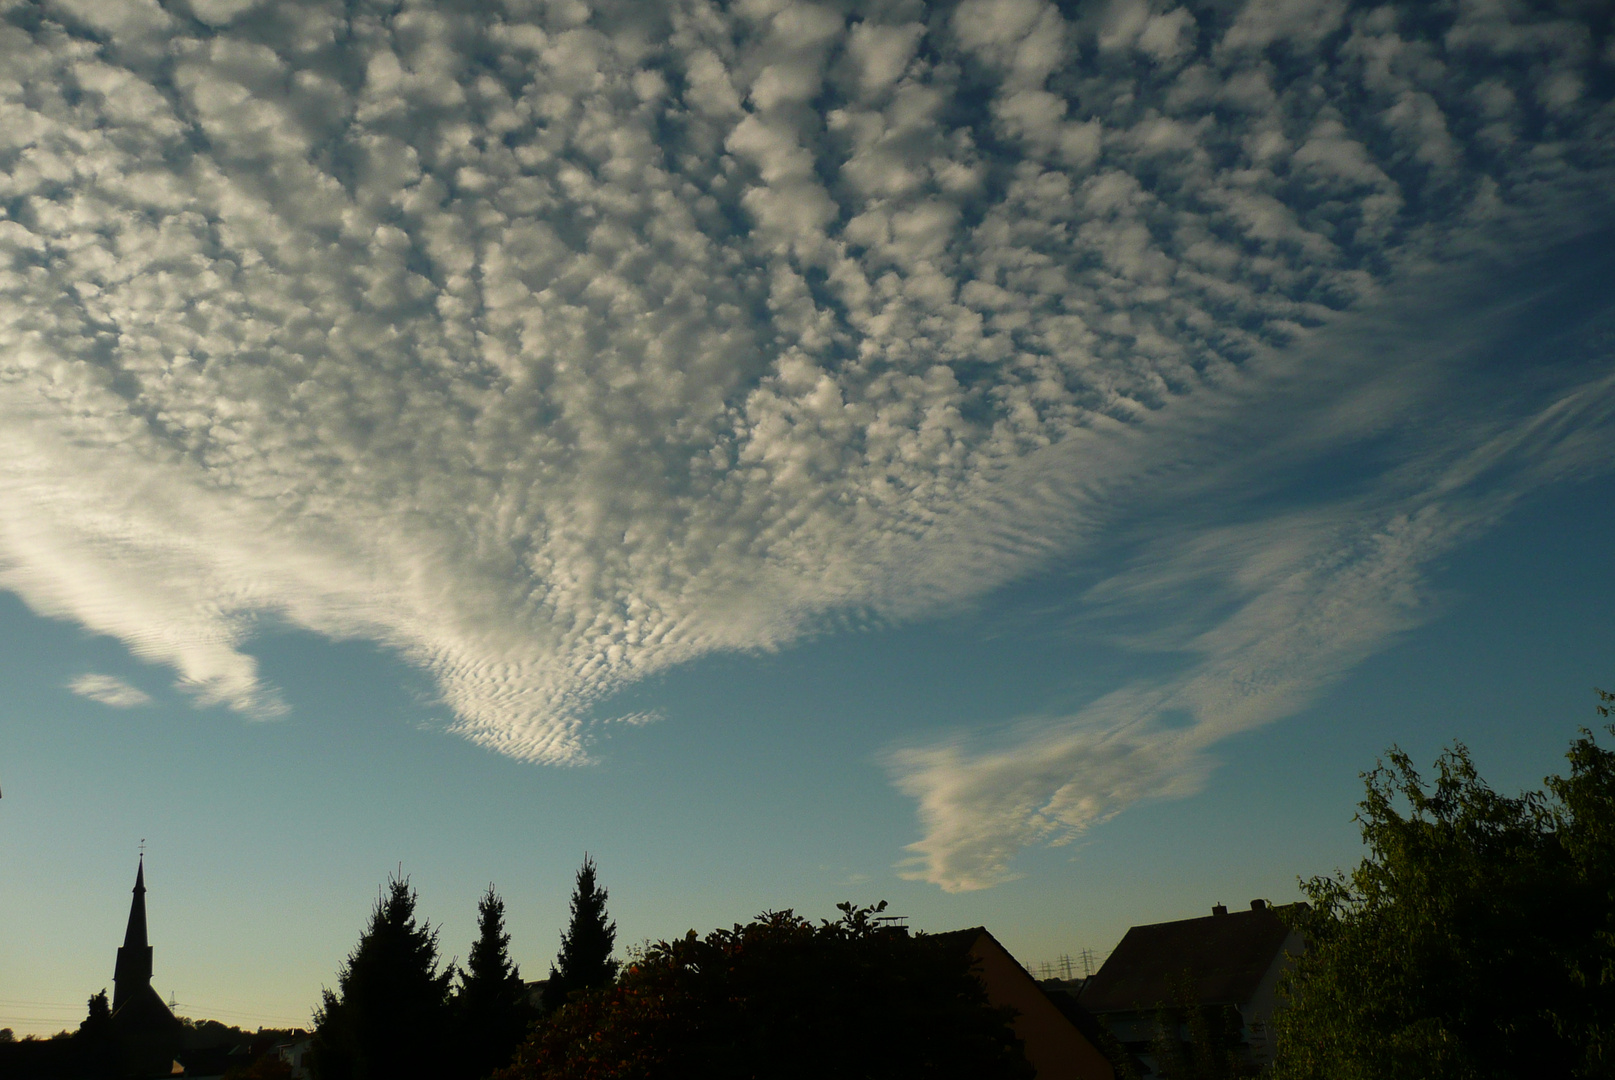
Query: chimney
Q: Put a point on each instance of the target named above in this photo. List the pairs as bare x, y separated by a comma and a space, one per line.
1218, 909
1258, 905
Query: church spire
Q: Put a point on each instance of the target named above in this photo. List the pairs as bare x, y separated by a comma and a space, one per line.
133, 970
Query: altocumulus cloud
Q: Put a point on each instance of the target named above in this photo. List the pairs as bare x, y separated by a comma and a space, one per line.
109, 690
552, 343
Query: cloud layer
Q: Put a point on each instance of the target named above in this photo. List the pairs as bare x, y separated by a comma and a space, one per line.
552, 344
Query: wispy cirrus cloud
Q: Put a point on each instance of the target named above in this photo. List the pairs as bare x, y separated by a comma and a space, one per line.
554, 344
1264, 603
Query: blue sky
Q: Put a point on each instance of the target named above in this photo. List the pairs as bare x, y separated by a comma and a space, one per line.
1015, 460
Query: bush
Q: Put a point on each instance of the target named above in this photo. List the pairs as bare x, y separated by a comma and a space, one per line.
782, 998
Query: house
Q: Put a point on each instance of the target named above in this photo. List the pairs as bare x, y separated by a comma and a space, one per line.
1053, 1037
296, 1053
1223, 959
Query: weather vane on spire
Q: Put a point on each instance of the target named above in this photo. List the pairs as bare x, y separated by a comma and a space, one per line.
142, 847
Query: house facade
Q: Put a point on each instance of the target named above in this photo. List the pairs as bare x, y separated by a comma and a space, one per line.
1226, 960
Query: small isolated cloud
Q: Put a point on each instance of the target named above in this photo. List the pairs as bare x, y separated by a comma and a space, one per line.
109, 690
639, 719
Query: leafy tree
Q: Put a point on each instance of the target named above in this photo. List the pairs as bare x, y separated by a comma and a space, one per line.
491, 1005
584, 962
97, 1038
1476, 939
97, 1023
1200, 1042
784, 999
390, 1015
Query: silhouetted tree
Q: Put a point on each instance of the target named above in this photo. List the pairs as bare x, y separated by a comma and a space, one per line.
98, 1022
1476, 940
584, 961
784, 999
491, 1006
390, 1015
97, 1039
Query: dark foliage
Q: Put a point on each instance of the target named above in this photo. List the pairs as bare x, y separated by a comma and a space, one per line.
491, 1010
584, 962
390, 1015
1476, 940
263, 1067
97, 1023
1200, 1042
98, 1039
783, 999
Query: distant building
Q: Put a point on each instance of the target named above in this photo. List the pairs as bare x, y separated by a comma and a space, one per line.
295, 1053
1052, 1033
1223, 959
534, 991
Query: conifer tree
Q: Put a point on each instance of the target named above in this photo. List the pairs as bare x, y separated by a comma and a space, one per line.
390, 1015
491, 1005
584, 962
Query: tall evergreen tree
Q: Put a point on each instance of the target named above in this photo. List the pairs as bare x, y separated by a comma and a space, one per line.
584, 962
491, 1005
390, 1015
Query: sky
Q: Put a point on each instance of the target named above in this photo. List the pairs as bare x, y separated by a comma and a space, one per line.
1017, 460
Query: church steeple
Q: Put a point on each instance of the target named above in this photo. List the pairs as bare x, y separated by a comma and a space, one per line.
133, 971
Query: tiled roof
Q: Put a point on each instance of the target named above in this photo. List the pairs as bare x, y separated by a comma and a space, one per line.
1223, 958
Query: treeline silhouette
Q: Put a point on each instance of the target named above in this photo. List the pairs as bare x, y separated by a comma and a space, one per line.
397, 1012
779, 996
1475, 939
93, 1050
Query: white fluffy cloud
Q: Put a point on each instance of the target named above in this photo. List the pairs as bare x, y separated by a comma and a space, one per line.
551, 344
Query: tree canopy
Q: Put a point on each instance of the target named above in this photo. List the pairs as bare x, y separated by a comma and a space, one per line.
1475, 940
584, 961
782, 998
491, 1007
390, 1014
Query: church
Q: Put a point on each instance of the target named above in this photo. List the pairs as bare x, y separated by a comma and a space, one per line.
137, 1037
149, 1036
